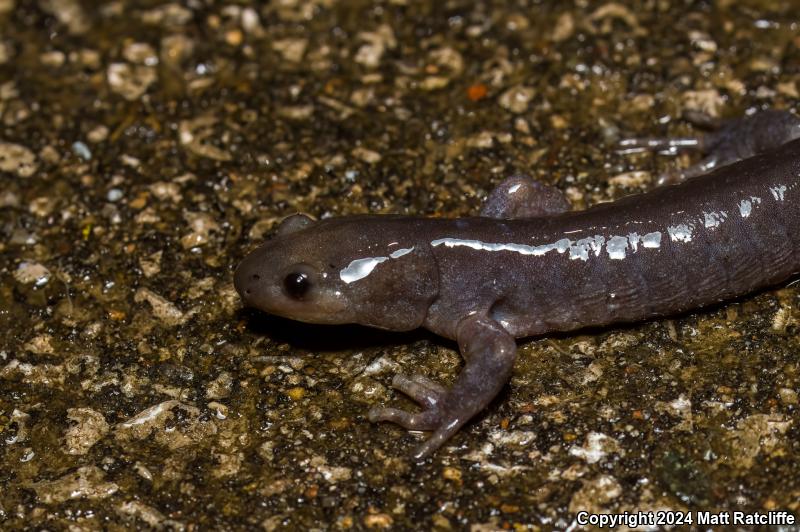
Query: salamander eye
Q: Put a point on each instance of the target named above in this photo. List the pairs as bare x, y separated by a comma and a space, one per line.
296, 285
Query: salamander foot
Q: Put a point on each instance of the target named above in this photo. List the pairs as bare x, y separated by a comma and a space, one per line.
422, 390
489, 352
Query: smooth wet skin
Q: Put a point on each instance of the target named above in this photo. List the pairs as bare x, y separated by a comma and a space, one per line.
527, 266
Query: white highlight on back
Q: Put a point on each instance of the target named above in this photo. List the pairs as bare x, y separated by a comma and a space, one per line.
634, 239
582, 249
714, 219
680, 232
616, 247
400, 252
745, 208
652, 240
561, 246
746, 205
778, 192
360, 268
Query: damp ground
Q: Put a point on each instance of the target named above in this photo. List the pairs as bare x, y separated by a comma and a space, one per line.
145, 147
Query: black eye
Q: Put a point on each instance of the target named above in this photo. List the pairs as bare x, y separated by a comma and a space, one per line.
297, 285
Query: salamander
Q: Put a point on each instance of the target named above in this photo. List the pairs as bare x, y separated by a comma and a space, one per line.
528, 265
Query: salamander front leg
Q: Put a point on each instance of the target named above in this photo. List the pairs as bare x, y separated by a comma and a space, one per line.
520, 196
489, 352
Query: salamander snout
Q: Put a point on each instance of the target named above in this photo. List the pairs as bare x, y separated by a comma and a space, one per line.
272, 279
246, 280
265, 282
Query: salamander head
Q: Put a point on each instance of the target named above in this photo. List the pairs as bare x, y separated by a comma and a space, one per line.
346, 270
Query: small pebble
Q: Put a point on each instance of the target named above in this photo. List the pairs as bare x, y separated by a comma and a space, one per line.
292, 50
130, 81
53, 59
564, 28
296, 393
88, 427
477, 92
9, 198
32, 273
140, 53
176, 48
234, 37
42, 206
70, 13
452, 473
82, 150
368, 156
17, 159
516, 99
380, 520
98, 134
114, 194
378, 42
250, 21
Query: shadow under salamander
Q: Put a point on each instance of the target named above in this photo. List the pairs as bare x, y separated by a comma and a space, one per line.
327, 338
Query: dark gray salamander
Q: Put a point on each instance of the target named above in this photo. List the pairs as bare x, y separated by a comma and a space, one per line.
527, 267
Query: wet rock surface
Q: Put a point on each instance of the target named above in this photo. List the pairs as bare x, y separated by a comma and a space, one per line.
145, 147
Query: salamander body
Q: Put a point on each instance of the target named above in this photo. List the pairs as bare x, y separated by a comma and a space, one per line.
528, 266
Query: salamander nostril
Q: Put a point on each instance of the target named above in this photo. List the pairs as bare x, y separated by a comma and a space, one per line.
247, 292
256, 277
